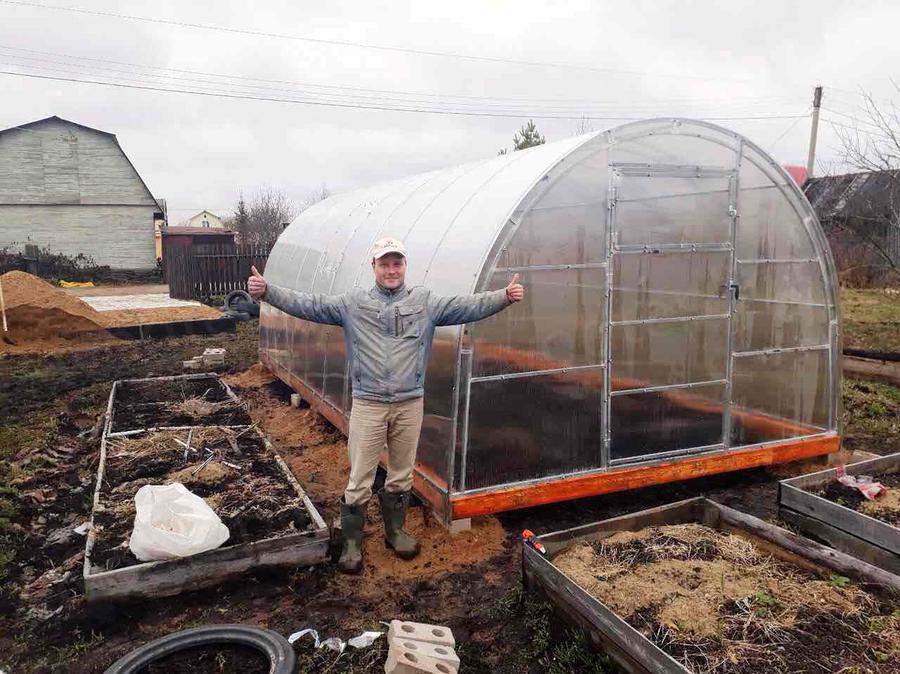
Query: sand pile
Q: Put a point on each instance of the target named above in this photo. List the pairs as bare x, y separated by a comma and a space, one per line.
36, 311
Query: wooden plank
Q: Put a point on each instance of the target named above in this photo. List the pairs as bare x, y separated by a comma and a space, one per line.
866, 368
154, 579
842, 540
859, 524
688, 510
815, 552
890, 463
553, 490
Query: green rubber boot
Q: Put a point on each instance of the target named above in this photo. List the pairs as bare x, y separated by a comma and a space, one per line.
353, 518
393, 512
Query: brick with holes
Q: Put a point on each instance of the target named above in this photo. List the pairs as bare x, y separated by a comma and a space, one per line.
402, 660
436, 651
431, 634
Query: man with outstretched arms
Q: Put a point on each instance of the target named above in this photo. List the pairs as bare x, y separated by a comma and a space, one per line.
388, 330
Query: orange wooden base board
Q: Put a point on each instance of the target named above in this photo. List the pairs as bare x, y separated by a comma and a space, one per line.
634, 477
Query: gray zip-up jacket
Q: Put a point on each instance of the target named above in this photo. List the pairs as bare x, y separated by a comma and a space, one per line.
388, 332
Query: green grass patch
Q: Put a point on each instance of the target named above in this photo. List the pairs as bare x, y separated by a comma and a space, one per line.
871, 319
872, 414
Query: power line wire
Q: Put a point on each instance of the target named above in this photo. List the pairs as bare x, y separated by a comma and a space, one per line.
317, 95
361, 106
786, 132
363, 45
572, 101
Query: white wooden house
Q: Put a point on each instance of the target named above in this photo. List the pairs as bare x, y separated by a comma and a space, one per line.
205, 219
72, 189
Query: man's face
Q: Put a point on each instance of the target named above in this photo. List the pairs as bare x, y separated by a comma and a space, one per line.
390, 270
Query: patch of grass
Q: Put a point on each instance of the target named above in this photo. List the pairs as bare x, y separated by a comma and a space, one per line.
871, 416
839, 581
556, 648
871, 319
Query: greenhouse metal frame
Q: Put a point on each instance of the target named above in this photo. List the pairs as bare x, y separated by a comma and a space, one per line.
681, 316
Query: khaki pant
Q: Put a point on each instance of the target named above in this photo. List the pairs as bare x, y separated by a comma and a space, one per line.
372, 425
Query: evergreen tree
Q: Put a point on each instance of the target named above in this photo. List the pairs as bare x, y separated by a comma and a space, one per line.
528, 136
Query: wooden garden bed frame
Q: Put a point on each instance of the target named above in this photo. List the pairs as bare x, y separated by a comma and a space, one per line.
607, 630
856, 533
155, 579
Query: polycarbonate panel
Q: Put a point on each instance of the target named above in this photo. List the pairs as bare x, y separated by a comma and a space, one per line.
786, 281
558, 324
780, 395
335, 376
666, 285
531, 427
582, 178
436, 441
644, 424
769, 227
672, 142
492, 197
316, 344
664, 210
659, 354
559, 235
767, 325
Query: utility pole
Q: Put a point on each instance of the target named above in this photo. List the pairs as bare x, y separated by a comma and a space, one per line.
813, 132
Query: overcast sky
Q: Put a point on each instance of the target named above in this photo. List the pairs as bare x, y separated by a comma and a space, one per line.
752, 58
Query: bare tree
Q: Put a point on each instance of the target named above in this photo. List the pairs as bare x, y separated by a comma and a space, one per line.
583, 125
263, 217
871, 215
320, 194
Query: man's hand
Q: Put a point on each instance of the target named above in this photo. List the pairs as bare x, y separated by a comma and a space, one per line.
515, 291
256, 284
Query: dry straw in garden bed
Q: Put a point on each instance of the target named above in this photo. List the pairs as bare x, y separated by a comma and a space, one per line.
717, 603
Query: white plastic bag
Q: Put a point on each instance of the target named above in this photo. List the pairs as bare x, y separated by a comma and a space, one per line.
172, 522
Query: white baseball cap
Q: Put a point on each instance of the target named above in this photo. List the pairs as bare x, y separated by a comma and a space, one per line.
384, 246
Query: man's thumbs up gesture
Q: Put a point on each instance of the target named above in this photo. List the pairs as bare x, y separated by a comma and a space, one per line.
256, 284
515, 291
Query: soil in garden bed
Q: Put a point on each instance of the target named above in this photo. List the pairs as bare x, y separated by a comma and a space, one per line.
885, 508
717, 603
175, 402
255, 501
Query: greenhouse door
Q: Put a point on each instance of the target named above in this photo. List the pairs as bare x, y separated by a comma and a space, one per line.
670, 261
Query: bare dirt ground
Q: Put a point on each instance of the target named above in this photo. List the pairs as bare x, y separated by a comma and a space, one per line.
471, 582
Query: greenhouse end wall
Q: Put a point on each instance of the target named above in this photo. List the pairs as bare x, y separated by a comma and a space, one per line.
681, 303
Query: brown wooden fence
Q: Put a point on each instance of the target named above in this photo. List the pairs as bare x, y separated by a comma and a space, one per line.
203, 270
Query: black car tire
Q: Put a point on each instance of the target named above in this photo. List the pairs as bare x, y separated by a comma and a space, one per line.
271, 644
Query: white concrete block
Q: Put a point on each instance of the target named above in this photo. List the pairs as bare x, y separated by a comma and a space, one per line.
436, 651
402, 661
431, 634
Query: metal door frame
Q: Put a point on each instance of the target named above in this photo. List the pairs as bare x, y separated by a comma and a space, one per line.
617, 172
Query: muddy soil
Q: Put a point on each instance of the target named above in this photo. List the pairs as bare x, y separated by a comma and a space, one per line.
472, 584
885, 508
718, 604
177, 402
255, 501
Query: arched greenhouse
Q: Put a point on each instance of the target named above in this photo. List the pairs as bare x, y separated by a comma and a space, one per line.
681, 315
